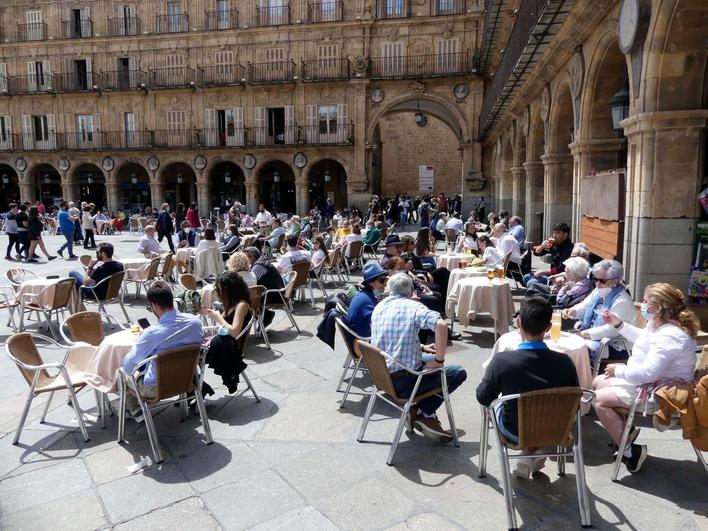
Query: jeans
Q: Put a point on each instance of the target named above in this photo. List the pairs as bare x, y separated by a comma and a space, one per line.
405, 382
14, 240
89, 240
403, 217
79, 279
23, 238
503, 429
530, 280
69, 244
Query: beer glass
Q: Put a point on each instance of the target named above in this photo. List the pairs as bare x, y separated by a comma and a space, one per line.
556, 326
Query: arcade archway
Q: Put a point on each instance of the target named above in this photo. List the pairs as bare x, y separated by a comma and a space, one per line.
328, 180
276, 187
133, 187
179, 184
9, 187
92, 184
48, 187
226, 185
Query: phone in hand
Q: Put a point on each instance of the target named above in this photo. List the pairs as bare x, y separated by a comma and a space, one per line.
144, 323
52, 277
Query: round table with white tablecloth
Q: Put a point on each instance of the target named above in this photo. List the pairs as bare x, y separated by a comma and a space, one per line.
36, 286
136, 267
458, 274
474, 295
209, 296
99, 364
452, 260
183, 254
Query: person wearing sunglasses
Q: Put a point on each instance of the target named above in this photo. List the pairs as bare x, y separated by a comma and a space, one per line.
364, 302
609, 294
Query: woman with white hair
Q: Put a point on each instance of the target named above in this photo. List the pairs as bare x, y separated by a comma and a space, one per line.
577, 285
609, 294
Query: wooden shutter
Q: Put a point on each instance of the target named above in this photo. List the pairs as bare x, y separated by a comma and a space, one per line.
290, 132
210, 132
3, 78
89, 73
133, 71
51, 130
261, 119
31, 76
239, 139
27, 137
342, 123
447, 55
85, 15
6, 135
393, 58
47, 69
311, 130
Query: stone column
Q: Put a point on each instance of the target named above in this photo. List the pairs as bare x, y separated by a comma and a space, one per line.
534, 201
505, 190
203, 203
70, 188
302, 197
112, 194
28, 189
518, 203
557, 190
157, 192
664, 174
251, 196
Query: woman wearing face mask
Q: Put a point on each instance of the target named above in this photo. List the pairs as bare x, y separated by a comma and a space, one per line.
230, 241
609, 294
664, 351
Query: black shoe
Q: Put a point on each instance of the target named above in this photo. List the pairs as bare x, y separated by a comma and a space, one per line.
454, 336
73, 257
31, 261
635, 462
633, 434
51, 258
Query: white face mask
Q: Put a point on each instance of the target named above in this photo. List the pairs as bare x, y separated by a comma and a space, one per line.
603, 292
187, 230
378, 292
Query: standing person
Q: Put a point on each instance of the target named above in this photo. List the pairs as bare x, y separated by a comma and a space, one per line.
424, 212
179, 215
193, 216
87, 224
66, 225
402, 211
165, 227
11, 231
328, 212
41, 208
480, 208
76, 213
35, 226
264, 219
442, 203
22, 232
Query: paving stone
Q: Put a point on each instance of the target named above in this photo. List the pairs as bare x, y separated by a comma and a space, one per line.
36, 487
256, 499
109, 465
187, 514
140, 493
290, 379
304, 519
425, 522
75, 512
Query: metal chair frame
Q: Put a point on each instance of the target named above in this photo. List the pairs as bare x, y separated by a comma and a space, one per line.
372, 248
28, 307
259, 292
353, 360
603, 352
108, 317
151, 268
407, 403
489, 421
285, 295
102, 303
13, 273
10, 304
358, 257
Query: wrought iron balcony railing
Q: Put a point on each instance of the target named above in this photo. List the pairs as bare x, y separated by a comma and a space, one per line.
429, 65
173, 77
175, 138
273, 15
172, 23
124, 26
77, 81
447, 7
124, 80
33, 83
34, 31
340, 134
325, 11
221, 20
387, 9
221, 75
272, 72
325, 69
77, 29
225, 137
121, 140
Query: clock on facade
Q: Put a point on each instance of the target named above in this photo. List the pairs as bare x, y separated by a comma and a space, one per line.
377, 95
249, 161
153, 163
108, 164
300, 160
200, 162
461, 91
21, 164
633, 24
64, 164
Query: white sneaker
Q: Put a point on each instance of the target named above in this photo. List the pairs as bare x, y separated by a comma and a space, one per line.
527, 466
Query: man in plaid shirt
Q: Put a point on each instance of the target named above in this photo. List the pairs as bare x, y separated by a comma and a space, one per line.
395, 324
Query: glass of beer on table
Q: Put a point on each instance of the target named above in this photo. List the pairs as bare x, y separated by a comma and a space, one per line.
463, 263
490, 273
556, 326
500, 271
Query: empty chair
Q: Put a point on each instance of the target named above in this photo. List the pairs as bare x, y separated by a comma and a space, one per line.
168, 267
384, 389
16, 276
86, 327
283, 299
51, 300
134, 225
144, 276
451, 238
302, 276
257, 304
187, 281
356, 255
177, 375
22, 350
353, 359
545, 419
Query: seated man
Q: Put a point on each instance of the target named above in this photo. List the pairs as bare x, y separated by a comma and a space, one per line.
101, 267
172, 330
395, 324
293, 256
516, 229
188, 237
275, 234
560, 248
533, 366
364, 302
506, 243
455, 223
148, 246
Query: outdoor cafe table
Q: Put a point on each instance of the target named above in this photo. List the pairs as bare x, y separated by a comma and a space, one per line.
135, 267
571, 344
101, 363
35, 286
209, 295
452, 260
474, 295
458, 274
183, 254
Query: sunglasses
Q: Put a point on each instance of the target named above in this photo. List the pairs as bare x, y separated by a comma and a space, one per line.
602, 281
382, 280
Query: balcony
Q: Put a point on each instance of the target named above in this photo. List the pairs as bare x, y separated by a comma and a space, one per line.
275, 136
172, 24
221, 75
33, 84
173, 77
388, 9
123, 26
122, 140
273, 15
439, 8
179, 138
35, 31
221, 20
342, 134
414, 66
325, 70
225, 137
85, 141
325, 11
273, 72
76, 29
124, 80
76, 81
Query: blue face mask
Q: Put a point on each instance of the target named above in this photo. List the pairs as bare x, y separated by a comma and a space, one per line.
644, 309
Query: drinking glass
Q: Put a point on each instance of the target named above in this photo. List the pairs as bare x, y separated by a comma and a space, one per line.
556, 326
490, 274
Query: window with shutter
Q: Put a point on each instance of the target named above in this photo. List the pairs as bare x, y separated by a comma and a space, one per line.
327, 55
177, 127
3, 78
327, 122
290, 129
174, 73
224, 62
393, 58
5, 132
210, 132
33, 29
342, 123
130, 129
261, 128
311, 129
275, 66
447, 57
84, 129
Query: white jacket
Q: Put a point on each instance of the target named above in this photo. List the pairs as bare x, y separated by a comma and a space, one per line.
623, 307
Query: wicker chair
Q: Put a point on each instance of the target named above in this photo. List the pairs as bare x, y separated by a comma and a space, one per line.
114, 293
332, 265
188, 281
356, 256
22, 350
285, 295
85, 260
315, 277
62, 296
86, 327
603, 353
16, 276
177, 375
302, 276
353, 359
384, 389
143, 276
257, 303
451, 238
545, 419
134, 225
168, 267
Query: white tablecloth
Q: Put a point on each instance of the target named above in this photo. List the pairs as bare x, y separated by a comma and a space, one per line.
35, 286
458, 274
479, 295
135, 267
452, 260
184, 254
209, 295
101, 363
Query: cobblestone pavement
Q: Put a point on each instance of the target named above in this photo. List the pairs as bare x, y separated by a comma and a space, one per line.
292, 461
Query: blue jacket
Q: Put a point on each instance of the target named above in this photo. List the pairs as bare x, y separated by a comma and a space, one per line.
360, 310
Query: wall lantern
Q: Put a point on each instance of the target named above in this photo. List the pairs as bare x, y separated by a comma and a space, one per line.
619, 107
134, 178
46, 178
276, 177
5, 179
327, 176
227, 177
90, 180
180, 178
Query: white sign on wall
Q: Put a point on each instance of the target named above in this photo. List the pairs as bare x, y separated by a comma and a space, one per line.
425, 177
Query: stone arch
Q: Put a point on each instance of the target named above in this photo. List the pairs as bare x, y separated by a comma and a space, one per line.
214, 161
505, 181
536, 144
91, 182
562, 123
278, 196
320, 189
320, 157
174, 192
46, 182
9, 186
262, 162
223, 194
533, 167
132, 196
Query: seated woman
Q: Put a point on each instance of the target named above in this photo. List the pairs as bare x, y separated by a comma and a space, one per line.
355, 236
664, 351
344, 230
576, 284
225, 354
319, 254
230, 240
489, 255
207, 242
609, 294
294, 227
423, 249
468, 240
239, 263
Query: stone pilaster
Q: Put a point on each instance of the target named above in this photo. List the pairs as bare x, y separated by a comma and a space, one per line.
112, 194
203, 197
534, 201
157, 193
505, 190
251, 196
302, 198
557, 190
518, 202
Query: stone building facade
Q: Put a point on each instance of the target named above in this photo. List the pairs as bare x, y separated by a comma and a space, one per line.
127, 103
549, 145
